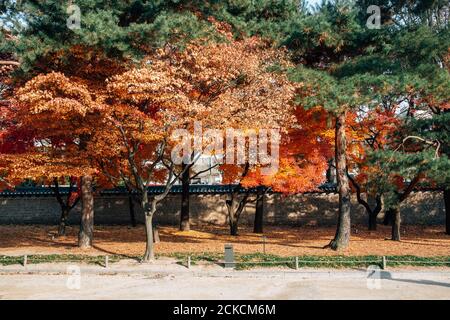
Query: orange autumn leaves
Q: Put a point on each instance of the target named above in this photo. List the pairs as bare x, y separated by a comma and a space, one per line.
304, 155
370, 131
49, 118
79, 128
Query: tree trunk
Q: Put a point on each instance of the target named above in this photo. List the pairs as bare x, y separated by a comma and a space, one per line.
373, 221
87, 213
65, 206
235, 208
184, 215
342, 237
63, 222
396, 224
232, 216
234, 228
131, 208
447, 210
373, 214
393, 214
331, 171
149, 254
388, 217
259, 211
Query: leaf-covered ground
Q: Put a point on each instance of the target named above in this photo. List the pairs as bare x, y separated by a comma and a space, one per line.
282, 241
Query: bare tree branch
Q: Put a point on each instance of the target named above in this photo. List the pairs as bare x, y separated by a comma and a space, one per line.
9, 63
434, 143
203, 171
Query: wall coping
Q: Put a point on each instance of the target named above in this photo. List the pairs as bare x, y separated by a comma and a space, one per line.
193, 189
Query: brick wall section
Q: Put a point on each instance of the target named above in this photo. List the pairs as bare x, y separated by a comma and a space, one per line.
425, 208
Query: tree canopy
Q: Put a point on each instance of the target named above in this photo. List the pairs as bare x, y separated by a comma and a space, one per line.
97, 87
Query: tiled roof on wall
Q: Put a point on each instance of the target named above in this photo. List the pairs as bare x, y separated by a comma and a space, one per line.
193, 189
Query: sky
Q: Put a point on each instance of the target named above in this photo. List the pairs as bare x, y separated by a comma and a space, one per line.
313, 2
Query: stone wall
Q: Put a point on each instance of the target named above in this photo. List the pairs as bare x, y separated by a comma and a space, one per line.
303, 209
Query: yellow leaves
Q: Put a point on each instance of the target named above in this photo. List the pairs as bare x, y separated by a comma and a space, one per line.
143, 85
59, 113
42, 167
222, 84
227, 84
57, 94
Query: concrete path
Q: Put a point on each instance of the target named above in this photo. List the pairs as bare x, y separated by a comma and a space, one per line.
130, 280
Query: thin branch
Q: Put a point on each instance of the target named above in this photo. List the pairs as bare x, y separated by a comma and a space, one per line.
410, 188
111, 178
203, 171
71, 183
170, 182
379, 204
435, 143
158, 159
259, 197
55, 188
9, 63
6, 182
74, 204
358, 193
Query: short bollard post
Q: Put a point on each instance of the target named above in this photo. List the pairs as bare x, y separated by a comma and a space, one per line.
296, 263
25, 260
383, 266
106, 261
189, 262
229, 256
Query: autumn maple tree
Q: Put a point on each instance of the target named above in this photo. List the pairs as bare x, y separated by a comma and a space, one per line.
53, 115
370, 130
98, 104
220, 84
302, 155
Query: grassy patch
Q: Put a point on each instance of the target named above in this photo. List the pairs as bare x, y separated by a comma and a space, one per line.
246, 261
265, 260
10, 260
55, 258
440, 261
195, 257
261, 260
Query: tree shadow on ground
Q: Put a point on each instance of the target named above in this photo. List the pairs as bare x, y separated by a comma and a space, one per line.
388, 276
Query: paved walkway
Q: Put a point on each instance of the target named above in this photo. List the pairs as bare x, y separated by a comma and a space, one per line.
130, 280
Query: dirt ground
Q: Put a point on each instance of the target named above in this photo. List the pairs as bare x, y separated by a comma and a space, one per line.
341, 285
283, 241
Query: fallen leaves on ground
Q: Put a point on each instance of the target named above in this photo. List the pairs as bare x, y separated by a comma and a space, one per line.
283, 241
